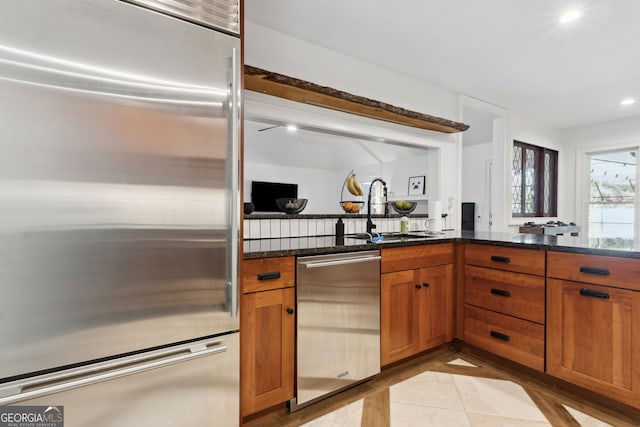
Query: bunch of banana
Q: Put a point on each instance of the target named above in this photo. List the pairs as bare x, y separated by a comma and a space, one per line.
354, 186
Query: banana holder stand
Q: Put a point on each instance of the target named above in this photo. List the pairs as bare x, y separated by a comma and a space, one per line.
353, 187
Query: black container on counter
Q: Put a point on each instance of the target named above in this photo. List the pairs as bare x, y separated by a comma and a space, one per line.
339, 232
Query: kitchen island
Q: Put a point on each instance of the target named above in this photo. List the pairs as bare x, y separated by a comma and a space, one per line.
551, 305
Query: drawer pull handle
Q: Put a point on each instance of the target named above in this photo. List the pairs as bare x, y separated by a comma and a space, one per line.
500, 292
425, 285
596, 271
497, 258
269, 276
500, 336
594, 294
418, 286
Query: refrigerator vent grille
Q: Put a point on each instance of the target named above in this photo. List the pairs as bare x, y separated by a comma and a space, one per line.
220, 14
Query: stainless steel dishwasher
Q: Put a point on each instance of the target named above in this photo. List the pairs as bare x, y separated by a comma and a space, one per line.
338, 323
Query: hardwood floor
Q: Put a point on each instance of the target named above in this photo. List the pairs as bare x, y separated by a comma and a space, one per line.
373, 397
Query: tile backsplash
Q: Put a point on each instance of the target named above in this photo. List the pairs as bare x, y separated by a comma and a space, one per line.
304, 227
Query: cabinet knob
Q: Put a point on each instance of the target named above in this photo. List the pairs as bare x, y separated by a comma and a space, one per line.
425, 285
418, 286
290, 310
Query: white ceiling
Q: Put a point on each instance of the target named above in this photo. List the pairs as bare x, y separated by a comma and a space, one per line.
511, 53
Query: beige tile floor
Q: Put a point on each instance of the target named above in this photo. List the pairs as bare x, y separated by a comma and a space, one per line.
444, 399
449, 388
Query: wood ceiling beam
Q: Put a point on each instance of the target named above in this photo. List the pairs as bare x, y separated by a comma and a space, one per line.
259, 80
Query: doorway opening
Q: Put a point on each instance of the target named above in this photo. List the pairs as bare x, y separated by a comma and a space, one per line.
483, 167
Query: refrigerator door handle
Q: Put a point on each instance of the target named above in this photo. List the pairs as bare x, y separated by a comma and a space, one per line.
235, 178
43, 386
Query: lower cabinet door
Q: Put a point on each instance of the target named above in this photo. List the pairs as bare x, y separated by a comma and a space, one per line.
267, 349
593, 338
399, 321
436, 306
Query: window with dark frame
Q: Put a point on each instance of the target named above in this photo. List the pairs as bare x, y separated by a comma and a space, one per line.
534, 190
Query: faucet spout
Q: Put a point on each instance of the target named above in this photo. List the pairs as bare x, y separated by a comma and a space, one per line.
370, 224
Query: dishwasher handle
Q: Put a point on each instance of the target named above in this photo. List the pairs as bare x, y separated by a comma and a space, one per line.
316, 264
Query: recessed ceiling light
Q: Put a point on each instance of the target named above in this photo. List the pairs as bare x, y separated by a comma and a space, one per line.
292, 128
627, 101
570, 16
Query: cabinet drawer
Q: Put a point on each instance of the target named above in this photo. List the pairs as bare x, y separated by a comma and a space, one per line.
519, 295
506, 336
601, 270
529, 261
267, 273
411, 257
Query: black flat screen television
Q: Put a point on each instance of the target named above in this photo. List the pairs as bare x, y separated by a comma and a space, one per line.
264, 194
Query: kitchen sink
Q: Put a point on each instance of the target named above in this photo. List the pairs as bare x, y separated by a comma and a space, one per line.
396, 237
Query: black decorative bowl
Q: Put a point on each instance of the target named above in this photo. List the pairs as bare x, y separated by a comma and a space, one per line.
291, 206
405, 210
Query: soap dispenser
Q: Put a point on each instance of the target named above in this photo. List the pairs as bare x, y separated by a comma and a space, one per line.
404, 225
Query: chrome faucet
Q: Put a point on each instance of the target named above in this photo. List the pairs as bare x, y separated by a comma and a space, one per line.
370, 224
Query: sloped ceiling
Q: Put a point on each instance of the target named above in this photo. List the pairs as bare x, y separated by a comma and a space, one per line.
311, 149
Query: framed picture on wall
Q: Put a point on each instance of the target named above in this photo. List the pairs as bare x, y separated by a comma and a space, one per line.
416, 185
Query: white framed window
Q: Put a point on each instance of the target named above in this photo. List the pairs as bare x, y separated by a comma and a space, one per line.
613, 199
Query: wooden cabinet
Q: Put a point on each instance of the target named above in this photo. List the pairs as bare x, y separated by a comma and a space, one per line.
398, 316
435, 306
593, 330
512, 338
268, 273
597, 269
518, 260
267, 334
504, 310
416, 303
513, 294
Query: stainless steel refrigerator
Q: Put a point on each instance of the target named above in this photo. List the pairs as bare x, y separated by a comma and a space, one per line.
119, 210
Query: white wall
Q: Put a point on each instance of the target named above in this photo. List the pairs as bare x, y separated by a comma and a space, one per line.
278, 52
400, 171
274, 51
490, 178
507, 126
320, 186
571, 144
537, 133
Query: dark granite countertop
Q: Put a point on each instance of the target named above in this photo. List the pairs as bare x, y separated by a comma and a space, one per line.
255, 216
263, 248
